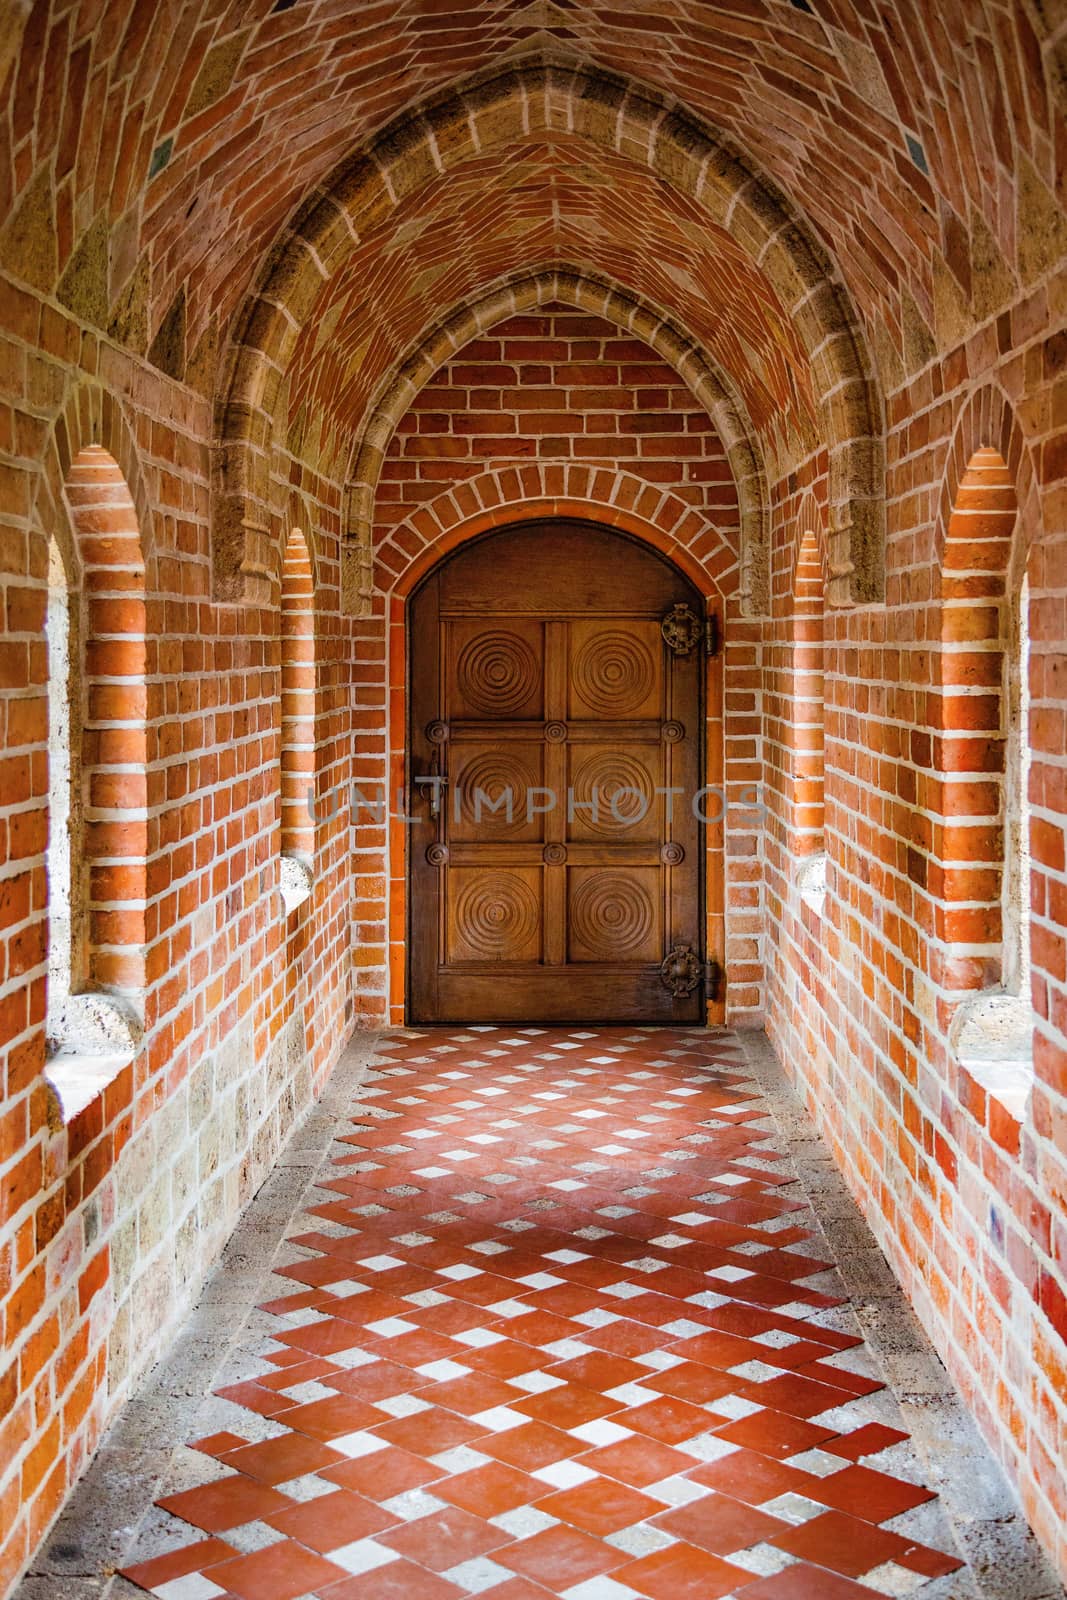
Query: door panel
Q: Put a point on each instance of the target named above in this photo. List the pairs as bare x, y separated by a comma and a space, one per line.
552, 869
494, 914
615, 914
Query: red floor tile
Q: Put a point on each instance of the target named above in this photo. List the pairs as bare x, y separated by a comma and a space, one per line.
807, 1583
668, 1420
517, 1589
281, 1572
638, 1461
328, 1419
851, 1546
625, 1339
692, 1382
752, 1477
683, 1572
866, 1441
773, 1433
535, 1445
428, 1433
445, 1539
226, 1504
199, 1557
331, 1520
491, 1490
484, 1249
558, 1558
721, 1524
872, 1495
383, 1474
477, 1392
800, 1397
505, 1360
600, 1371
400, 1580
568, 1407
256, 1397
289, 1456
601, 1506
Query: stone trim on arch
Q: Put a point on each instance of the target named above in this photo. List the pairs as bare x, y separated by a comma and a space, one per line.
986, 420
507, 104
587, 292
91, 415
544, 489
298, 513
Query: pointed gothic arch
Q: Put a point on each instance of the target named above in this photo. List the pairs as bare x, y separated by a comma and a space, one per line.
491, 111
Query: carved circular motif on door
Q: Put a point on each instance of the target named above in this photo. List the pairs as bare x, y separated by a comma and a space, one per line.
623, 789
497, 673
672, 732
611, 915
437, 855
496, 914
492, 789
672, 854
614, 672
556, 732
554, 855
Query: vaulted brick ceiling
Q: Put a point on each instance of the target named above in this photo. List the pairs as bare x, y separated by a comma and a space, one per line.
180, 137
540, 205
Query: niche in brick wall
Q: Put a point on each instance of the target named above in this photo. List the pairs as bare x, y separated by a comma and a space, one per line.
297, 776
97, 834
985, 779
808, 811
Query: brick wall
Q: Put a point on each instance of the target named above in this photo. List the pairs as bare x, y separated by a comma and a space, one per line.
966, 1199
109, 1223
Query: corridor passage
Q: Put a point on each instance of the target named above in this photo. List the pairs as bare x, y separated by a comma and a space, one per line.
550, 1326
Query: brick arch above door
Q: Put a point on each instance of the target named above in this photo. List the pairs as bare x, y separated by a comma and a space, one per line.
635, 317
616, 498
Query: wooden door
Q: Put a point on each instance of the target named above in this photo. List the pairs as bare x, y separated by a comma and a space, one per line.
554, 876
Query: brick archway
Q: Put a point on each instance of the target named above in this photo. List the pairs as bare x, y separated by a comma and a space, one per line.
507, 494
987, 420
90, 415
568, 286
989, 518
615, 115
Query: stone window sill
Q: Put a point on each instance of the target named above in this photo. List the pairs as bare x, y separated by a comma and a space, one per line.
296, 882
993, 1037
811, 881
91, 1039
78, 1080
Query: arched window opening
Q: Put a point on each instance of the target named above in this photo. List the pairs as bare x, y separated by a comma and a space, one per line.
297, 721
986, 735
96, 860
808, 721
1016, 892
60, 790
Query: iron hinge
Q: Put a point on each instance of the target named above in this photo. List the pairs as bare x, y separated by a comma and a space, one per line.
714, 980
712, 634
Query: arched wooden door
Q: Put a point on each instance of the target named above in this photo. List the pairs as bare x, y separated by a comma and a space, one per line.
555, 755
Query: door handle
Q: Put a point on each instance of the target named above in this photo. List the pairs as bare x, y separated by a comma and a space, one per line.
437, 783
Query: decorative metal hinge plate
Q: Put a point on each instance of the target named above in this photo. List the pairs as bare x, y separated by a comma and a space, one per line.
681, 970
714, 978
682, 629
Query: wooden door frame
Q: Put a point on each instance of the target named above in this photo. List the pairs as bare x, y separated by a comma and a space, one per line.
609, 519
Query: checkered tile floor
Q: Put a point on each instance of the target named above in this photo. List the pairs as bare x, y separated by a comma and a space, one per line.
552, 1330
